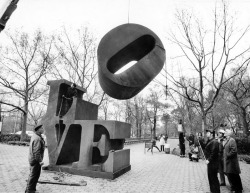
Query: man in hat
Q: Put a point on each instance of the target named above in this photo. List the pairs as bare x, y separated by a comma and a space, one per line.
231, 163
67, 99
221, 139
36, 153
212, 159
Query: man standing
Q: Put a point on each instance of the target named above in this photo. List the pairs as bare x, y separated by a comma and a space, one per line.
221, 161
36, 153
212, 159
182, 144
67, 99
231, 163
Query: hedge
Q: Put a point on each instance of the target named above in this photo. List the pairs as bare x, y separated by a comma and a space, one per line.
22, 143
5, 138
243, 145
245, 158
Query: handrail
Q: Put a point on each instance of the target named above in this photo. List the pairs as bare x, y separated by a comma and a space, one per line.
129, 141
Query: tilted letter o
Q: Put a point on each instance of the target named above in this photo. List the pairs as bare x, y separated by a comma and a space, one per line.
121, 45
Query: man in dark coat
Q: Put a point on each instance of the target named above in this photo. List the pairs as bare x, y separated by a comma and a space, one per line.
182, 144
231, 163
212, 160
221, 160
36, 153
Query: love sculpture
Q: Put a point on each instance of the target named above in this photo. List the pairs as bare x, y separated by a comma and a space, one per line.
77, 142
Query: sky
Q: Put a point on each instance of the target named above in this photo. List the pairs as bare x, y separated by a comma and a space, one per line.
103, 15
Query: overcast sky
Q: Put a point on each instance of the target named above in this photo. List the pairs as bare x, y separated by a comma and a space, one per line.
103, 15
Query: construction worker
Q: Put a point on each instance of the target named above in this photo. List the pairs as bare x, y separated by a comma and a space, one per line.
67, 99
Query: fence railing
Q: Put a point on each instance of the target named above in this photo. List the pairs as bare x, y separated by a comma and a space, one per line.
129, 141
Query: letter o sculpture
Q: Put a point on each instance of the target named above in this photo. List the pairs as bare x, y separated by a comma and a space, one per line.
121, 45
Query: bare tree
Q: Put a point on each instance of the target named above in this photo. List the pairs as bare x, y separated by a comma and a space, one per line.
239, 89
77, 61
136, 110
153, 108
36, 112
104, 107
210, 53
24, 63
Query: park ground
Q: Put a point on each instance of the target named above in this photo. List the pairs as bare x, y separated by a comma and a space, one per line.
150, 173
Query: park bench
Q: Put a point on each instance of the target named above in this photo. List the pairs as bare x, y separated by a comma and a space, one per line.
129, 141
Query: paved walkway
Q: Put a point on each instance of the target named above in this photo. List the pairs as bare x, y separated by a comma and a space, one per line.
160, 172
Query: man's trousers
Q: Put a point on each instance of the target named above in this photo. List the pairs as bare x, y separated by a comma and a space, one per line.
235, 182
35, 172
212, 170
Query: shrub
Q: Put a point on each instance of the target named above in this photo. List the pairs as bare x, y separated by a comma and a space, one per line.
5, 138
23, 143
245, 158
243, 145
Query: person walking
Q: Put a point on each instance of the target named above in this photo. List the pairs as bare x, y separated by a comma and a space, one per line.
153, 144
212, 160
231, 163
166, 138
36, 153
182, 144
221, 139
162, 142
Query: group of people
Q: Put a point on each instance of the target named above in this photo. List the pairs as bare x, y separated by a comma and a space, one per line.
193, 145
221, 157
162, 140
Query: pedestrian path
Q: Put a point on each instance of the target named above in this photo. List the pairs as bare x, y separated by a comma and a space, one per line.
150, 173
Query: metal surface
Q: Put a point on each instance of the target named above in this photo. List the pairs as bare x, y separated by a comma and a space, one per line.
123, 44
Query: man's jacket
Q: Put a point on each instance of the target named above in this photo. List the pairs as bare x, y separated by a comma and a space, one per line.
212, 151
231, 163
36, 149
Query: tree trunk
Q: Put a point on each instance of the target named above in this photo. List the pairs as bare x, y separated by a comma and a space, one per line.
24, 123
244, 122
203, 125
139, 130
154, 127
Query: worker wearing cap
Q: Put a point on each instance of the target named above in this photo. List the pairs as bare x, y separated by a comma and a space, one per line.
221, 140
231, 163
212, 160
36, 153
68, 99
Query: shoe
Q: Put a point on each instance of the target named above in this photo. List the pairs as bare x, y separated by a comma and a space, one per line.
222, 184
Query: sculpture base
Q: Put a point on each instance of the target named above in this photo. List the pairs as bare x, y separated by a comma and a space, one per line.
89, 173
